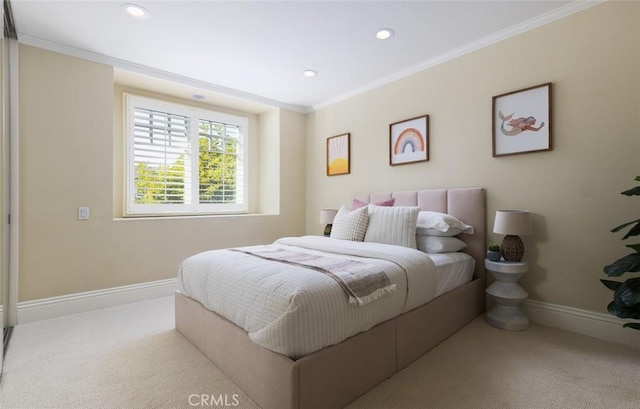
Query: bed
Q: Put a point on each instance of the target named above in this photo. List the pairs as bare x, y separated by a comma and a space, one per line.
333, 376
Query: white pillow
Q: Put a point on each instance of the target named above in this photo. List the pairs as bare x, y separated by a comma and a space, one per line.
350, 225
392, 225
434, 244
441, 224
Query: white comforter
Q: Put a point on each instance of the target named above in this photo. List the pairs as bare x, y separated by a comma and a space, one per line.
295, 311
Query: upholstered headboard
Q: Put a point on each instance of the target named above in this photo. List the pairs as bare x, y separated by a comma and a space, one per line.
467, 204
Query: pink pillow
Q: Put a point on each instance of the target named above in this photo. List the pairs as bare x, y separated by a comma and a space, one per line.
356, 204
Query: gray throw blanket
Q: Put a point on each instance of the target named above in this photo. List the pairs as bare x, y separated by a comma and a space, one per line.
361, 281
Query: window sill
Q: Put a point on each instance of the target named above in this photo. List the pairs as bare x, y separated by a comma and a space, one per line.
192, 216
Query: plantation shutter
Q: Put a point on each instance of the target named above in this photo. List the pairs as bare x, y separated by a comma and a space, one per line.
183, 160
161, 157
220, 162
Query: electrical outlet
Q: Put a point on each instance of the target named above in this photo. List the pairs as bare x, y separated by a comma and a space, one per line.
83, 213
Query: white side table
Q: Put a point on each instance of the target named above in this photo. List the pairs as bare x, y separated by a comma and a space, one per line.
508, 294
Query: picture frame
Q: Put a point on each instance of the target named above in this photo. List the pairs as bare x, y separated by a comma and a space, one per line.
339, 154
409, 141
521, 121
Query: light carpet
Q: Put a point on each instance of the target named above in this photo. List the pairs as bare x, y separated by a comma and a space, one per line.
131, 357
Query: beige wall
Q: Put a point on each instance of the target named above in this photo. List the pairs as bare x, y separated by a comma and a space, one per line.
67, 160
593, 60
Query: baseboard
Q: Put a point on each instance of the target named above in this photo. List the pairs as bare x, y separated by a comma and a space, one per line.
47, 308
593, 324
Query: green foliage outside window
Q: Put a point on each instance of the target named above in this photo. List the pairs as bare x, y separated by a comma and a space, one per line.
217, 172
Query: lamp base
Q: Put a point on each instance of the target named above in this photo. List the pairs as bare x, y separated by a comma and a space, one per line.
512, 248
327, 230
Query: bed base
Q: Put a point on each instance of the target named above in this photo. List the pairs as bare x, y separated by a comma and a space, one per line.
335, 376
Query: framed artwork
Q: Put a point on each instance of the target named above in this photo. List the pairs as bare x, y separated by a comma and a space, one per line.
338, 155
409, 141
522, 121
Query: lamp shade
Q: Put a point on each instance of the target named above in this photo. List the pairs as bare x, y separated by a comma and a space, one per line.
327, 216
512, 222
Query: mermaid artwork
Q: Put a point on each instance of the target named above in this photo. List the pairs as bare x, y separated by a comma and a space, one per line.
518, 125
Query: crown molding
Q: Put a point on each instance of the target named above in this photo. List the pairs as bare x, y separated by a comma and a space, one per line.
557, 14
153, 72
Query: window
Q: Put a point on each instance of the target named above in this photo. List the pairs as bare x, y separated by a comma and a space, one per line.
184, 160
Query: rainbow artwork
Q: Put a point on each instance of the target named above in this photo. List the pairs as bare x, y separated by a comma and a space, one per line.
409, 141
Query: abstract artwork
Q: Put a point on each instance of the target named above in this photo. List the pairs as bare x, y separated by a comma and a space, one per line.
338, 159
409, 141
522, 121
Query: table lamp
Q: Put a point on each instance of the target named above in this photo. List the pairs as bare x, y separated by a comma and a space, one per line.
326, 217
513, 223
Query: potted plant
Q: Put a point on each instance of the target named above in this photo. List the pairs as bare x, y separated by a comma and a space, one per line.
626, 296
494, 253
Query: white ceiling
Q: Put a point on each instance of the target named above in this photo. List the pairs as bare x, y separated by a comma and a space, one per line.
259, 49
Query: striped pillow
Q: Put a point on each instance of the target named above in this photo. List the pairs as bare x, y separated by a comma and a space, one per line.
350, 225
393, 225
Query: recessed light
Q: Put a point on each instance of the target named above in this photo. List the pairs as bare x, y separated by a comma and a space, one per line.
384, 34
310, 73
136, 11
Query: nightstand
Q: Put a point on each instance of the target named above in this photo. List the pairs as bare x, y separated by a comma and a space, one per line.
508, 294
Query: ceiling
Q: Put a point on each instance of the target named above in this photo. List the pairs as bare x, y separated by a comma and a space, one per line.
258, 50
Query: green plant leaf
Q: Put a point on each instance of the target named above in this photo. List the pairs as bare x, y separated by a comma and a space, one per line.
628, 294
614, 309
622, 226
634, 230
635, 247
612, 285
635, 191
634, 325
627, 264
621, 311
